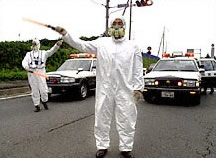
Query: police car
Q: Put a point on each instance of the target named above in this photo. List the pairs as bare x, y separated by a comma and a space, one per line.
173, 78
209, 76
76, 76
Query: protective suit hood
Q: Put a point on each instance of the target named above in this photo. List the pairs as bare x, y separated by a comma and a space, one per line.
122, 19
35, 44
123, 29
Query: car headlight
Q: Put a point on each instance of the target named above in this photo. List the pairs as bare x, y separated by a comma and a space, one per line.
67, 80
190, 83
149, 82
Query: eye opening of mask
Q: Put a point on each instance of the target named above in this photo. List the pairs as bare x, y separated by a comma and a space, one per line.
118, 22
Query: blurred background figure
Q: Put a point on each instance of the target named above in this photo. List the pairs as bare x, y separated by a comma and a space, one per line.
149, 50
35, 61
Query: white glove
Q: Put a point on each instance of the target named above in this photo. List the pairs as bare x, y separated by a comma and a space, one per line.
61, 30
59, 43
137, 95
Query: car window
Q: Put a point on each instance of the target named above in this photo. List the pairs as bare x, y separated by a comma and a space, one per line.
207, 65
75, 64
94, 64
214, 65
176, 65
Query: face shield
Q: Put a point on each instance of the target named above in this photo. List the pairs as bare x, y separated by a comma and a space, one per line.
35, 44
117, 28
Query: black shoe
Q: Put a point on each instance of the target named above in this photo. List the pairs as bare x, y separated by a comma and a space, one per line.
45, 105
211, 92
126, 154
37, 109
101, 153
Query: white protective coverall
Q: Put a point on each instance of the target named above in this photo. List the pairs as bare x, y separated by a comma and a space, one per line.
119, 73
35, 60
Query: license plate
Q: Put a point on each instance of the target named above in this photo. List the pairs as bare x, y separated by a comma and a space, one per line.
165, 94
49, 90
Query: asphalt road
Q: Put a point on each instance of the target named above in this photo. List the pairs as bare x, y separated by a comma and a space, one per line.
66, 130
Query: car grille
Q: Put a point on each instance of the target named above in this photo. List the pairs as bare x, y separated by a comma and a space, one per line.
168, 82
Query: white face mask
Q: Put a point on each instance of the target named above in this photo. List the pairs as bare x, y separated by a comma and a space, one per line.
34, 47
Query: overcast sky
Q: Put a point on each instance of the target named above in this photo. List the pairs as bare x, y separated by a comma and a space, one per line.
189, 24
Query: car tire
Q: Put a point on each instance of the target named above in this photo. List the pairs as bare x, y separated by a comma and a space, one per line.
150, 98
83, 91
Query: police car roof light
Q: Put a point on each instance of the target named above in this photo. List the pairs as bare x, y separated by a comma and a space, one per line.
165, 55
189, 54
177, 54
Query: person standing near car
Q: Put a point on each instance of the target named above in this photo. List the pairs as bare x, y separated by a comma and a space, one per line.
149, 50
119, 80
208, 67
35, 61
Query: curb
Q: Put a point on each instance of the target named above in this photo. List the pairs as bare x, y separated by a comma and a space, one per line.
13, 92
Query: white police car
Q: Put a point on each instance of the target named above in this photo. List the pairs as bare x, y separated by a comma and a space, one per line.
209, 76
173, 78
76, 76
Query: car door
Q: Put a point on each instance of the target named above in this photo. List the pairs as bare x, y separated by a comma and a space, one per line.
209, 79
92, 79
213, 73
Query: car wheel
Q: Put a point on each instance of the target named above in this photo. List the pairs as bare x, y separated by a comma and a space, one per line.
150, 98
83, 91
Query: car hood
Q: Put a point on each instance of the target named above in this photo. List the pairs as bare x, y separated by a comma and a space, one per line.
68, 73
173, 74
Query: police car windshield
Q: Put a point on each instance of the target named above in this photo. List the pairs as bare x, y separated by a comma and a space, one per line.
176, 65
75, 64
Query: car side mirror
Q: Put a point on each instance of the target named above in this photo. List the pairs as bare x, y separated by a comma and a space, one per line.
144, 71
201, 66
201, 70
79, 70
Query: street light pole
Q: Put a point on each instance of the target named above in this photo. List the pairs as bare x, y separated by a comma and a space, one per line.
141, 3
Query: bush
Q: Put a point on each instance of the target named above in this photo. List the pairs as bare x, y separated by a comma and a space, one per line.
147, 62
8, 75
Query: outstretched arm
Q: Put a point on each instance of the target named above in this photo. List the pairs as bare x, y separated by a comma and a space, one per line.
84, 46
54, 48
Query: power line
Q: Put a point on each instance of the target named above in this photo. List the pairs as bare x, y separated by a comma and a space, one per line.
98, 3
125, 8
102, 4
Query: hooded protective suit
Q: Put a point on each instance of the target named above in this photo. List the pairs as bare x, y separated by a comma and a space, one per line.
35, 60
119, 73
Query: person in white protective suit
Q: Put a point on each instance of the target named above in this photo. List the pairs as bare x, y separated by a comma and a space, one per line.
119, 81
35, 61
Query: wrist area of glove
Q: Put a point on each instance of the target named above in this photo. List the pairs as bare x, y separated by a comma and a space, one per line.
61, 30
138, 91
59, 43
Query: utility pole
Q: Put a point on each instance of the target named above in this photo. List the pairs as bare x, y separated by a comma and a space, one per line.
107, 17
130, 19
212, 51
